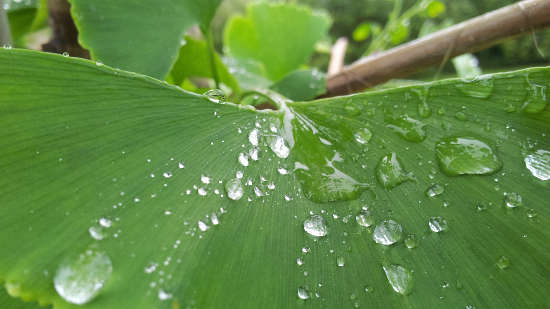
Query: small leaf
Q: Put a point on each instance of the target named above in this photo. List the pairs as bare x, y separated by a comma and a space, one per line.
435, 9
362, 32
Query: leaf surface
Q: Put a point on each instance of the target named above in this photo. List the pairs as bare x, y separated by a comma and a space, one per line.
102, 164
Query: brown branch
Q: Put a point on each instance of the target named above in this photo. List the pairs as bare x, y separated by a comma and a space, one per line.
64, 32
337, 56
470, 36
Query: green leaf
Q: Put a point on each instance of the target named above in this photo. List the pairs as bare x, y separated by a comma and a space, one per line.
435, 9
8, 302
79, 147
25, 16
302, 85
280, 36
249, 73
400, 33
139, 35
193, 61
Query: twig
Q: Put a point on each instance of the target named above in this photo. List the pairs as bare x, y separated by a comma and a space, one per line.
337, 56
470, 36
5, 33
64, 32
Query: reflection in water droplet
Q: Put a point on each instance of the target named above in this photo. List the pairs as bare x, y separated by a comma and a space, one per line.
253, 137
215, 95
400, 278
387, 233
503, 262
340, 261
363, 136
303, 293
408, 128
315, 226
105, 222
538, 163
205, 179
162, 295
411, 241
390, 172
435, 190
466, 156
243, 159
365, 218
513, 200
96, 232
202, 226
531, 213
79, 281
437, 224
479, 87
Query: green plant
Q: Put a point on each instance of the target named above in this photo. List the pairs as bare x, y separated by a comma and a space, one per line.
124, 191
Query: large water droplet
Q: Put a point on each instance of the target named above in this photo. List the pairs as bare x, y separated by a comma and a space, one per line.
538, 163
466, 156
437, 224
243, 159
80, 280
253, 137
278, 146
536, 99
408, 128
479, 87
400, 278
303, 293
390, 172
315, 226
234, 189
388, 232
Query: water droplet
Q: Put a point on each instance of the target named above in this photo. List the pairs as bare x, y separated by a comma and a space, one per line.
303, 293
408, 128
253, 137
80, 280
437, 224
536, 99
234, 189
278, 146
365, 218
388, 232
363, 136
315, 226
424, 109
299, 261
243, 159
435, 190
181, 165
214, 219
65, 54
479, 87
340, 261
202, 191
400, 278
167, 174
513, 200
538, 163
99, 63
7, 46
390, 172
97, 232
202, 226
253, 154
461, 116
215, 95
162, 295
205, 179
411, 241
503, 262
105, 222
282, 171
466, 156
531, 213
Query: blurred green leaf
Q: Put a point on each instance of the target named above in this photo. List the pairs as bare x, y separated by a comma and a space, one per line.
362, 32
467, 66
25, 16
435, 9
193, 61
139, 35
280, 36
8, 302
302, 85
399, 33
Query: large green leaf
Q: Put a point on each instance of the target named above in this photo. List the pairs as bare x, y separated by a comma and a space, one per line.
280, 36
81, 208
139, 35
193, 61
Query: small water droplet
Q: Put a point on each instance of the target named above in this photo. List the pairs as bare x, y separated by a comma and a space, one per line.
79, 281
162, 295
282, 171
243, 159
400, 278
315, 226
215, 95
96, 232
466, 156
536, 99
340, 261
388, 232
253, 137
365, 218
202, 226
503, 262
479, 87
99, 63
408, 128
299, 261
234, 189
278, 146
513, 200
390, 172
205, 179
538, 163
435, 190
303, 293
363, 136
531, 213
167, 175
411, 241
105, 222
437, 224
65, 54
